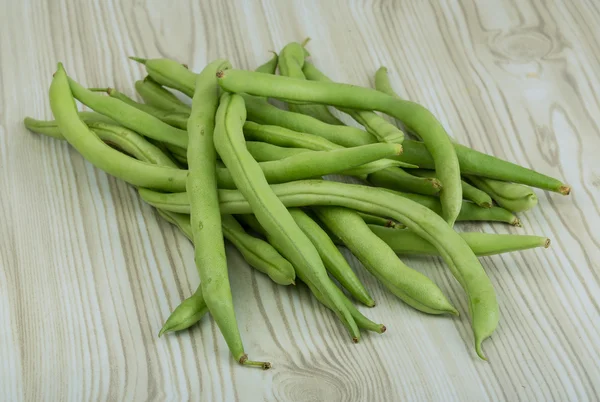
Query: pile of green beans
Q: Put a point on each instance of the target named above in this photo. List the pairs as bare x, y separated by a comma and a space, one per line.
227, 165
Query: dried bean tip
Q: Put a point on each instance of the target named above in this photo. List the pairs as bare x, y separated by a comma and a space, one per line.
220, 74
564, 190
355, 340
547, 243
383, 328
517, 222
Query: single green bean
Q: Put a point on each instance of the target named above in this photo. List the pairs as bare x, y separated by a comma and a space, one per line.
264, 152
170, 73
427, 224
178, 120
270, 212
129, 116
398, 179
291, 61
413, 115
377, 220
379, 127
97, 152
155, 95
482, 244
270, 67
412, 287
334, 261
50, 127
284, 137
475, 163
512, 196
205, 219
188, 313
382, 82
470, 192
361, 321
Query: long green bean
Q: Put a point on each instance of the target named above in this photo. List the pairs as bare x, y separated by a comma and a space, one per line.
512, 196
155, 95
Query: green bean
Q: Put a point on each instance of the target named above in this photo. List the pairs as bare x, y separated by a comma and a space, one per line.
205, 219
188, 313
379, 127
357, 160
412, 287
334, 261
377, 220
270, 67
382, 82
362, 321
178, 120
414, 116
398, 179
284, 137
514, 197
476, 163
425, 223
155, 95
291, 61
482, 244
264, 152
50, 128
98, 153
470, 192
270, 212
468, 211
129, 116
170, 73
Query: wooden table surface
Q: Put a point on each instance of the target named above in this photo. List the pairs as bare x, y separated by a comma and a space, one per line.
88, 273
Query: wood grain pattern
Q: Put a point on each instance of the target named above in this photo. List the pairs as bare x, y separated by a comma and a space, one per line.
88, 272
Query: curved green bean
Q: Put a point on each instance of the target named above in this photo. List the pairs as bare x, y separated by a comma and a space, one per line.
169, 73
50, 127
129, 116
382, 82
186, 314
205, 219
361, 321
269, 211
291, 61
379, 127
334, 261
97, 152
398, 179
470, 192
511, 196
155, 95
414, 116
476, 163
377, 220
270, 67
412, 287
482, 244
265, 152
427, 224
178, 120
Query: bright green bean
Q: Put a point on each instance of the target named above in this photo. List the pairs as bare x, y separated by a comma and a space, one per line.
362, 321
482, 244
264, 152
512, 196
129, 116
188, 313
98, 153
473, 162
205, 219
270, 67
377, 220
398, 179
379, 127
270, 212
291, 61
462, 262
50, 127
412, 287
414, 116
170, 73
155, 95
334, 261
178, 120
382, 82
470, 192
